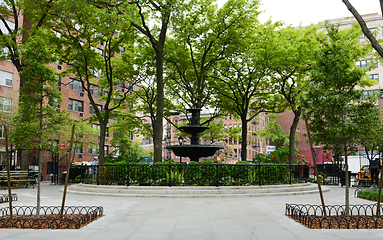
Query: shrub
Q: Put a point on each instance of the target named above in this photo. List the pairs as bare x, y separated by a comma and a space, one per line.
370, 194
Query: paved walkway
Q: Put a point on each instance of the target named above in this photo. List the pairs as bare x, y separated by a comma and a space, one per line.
244, 218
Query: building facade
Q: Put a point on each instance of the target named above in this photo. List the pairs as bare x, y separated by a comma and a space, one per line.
375, 22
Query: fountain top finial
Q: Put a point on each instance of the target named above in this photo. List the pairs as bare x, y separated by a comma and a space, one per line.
194, 118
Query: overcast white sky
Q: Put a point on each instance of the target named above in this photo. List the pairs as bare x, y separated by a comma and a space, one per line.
312, 11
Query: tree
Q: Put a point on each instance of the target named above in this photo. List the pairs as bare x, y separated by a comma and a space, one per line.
201, 38
16, 34
92, 41
241, 81
338, 112
39, 118
366, 31
152, 21
291, 56
274, 132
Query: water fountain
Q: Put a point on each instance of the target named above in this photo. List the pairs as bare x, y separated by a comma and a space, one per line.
195, 150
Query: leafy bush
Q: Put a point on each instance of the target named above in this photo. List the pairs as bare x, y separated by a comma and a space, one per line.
205, 173
370, 194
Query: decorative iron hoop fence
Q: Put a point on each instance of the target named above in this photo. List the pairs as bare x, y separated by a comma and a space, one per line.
5, 197
24, 217
361, 216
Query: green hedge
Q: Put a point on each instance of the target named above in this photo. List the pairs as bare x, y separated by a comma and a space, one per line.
194, 173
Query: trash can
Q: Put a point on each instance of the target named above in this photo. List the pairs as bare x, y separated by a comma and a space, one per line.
342, 175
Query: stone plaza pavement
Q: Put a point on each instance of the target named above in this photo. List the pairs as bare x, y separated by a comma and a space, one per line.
239, 218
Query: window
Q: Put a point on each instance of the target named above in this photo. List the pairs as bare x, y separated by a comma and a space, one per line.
372, 30
96, 72
77, 148
374, 76
115, 151
57, 33
58, 82
91, 109
75, 85
365, 63
93, 150
93, 89
4, 29
1, 131
106, 150
75, 105
122, 49
6, 78
4, 53
5, 104
98, 50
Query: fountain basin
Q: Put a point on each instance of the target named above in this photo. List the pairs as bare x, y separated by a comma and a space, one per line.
194, 151
193, 129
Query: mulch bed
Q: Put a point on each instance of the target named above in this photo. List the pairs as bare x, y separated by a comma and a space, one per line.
74, 217
49, 221
361, 216
342, 222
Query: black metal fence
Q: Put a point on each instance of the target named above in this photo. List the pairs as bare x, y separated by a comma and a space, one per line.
201, 174
48, 218
360, 216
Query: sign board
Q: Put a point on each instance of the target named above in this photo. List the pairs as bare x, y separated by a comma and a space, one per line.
63, 145
270, 149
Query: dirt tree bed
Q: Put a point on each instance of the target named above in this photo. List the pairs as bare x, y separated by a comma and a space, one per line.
360, 216
74, 217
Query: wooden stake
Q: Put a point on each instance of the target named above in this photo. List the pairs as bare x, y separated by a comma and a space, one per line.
7, 160
67, 172
316, 169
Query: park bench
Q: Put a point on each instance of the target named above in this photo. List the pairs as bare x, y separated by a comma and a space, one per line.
16, 177
364, 181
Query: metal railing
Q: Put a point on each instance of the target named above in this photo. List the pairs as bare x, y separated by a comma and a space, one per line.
74, 217
361, 216
201, 174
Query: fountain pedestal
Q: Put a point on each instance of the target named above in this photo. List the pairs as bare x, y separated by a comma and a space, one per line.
195, 150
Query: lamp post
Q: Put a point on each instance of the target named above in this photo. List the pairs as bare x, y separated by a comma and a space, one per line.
180, 141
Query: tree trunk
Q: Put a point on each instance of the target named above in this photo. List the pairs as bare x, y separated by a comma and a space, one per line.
38, 201
316, 169
293, 129
40, 153
347, 194
244, 139
101, 144
158, 124
24, 159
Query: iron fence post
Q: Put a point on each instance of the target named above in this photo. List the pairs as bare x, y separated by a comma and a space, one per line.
127, 175
170, 176
216, 175
259, 173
